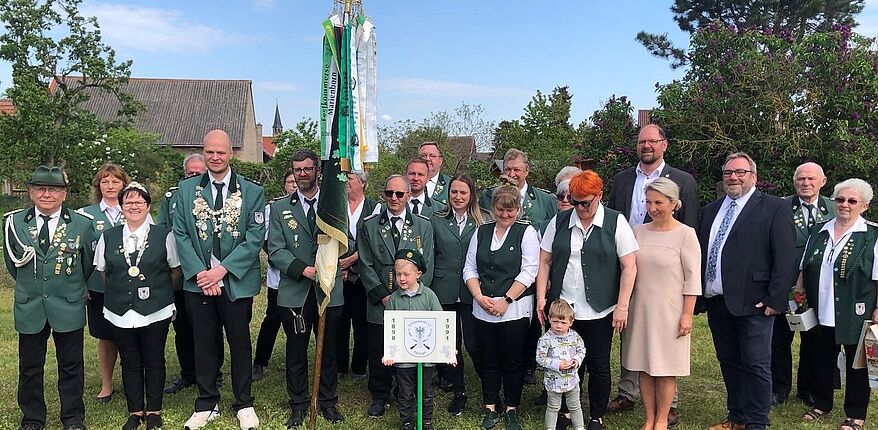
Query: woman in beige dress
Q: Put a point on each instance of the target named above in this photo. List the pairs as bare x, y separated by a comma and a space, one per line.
656, 342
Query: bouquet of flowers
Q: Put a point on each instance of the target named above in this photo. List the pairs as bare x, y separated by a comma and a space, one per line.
798, 297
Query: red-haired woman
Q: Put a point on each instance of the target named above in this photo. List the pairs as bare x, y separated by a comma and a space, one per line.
597, 279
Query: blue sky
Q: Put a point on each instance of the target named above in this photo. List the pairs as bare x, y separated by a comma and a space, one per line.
432, 56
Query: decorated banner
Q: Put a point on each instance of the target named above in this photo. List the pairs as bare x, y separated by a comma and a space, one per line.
420, 336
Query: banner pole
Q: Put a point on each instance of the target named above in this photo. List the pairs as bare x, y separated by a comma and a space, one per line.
420, 396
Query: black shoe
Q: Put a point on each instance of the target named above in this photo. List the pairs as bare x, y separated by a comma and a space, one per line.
563, 422
332, 414
75, 427
133, 422
154, 422
178, 385
428, 425
258, 372
778, 399
543, 398
31, 426
673, 417
376, 409
490, 419
105, 399
594, 424
530, 377
512, 422
358, 376
445, 385
458, 404
407, 426
297, 418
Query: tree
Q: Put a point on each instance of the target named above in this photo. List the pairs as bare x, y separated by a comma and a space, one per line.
609, 136
47, 43
272, 173
782, 100
793, 18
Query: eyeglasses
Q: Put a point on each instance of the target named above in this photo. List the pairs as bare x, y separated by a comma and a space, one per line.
738, 172
290, 181
650, 141
585, 203
300, 170
431, 155
131, 204
841, 200
391, 193
50, 190
561, 197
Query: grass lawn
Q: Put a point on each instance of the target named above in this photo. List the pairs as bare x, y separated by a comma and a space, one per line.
702, 396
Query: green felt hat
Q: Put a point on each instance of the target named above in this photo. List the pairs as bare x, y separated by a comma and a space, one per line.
413, 257
49, 176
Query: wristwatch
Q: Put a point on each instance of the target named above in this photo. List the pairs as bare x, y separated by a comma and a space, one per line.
508, 299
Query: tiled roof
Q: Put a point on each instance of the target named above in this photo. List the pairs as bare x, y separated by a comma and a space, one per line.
268, 145
182, 111
6, 107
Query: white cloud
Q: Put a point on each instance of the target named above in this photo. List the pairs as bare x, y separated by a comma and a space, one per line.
868, 19
156, 30
386, 117
452, 90
277, 86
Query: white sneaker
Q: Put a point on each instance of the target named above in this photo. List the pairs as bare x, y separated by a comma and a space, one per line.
200, 419
248, 419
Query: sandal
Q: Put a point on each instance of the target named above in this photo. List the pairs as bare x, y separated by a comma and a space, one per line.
851, 424
814, 414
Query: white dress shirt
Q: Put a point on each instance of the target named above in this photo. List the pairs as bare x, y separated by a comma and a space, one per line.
431, 185
272, 275
530, 257
53, 223
573, 288
131, 241
716, 287
114, 213
638, 195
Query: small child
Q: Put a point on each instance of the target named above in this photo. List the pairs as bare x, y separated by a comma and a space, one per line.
561, 351
412, 295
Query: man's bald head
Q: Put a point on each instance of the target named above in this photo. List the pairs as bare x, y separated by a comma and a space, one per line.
808, 180
217, 136
217, 152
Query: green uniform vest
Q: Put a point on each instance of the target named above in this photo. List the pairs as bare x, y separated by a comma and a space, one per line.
124, 292
852, 279
498, 269
600, 263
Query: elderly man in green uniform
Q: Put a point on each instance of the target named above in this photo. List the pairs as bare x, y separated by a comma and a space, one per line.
537, 204
184, 341
437, 185
809, 209
49, 253
417, 172
292, 247
218, 225
379, 237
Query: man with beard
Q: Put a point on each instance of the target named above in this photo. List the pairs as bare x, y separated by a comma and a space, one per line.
437, 186
378, 239
627, 196
746, 237
417, 172
292, 247
218, 225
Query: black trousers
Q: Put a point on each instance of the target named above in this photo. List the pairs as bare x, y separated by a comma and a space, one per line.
782, 360
380, 380
502, 344
597, 335
856, 390
742, 343
71, 375
454, 374
297, 355
142, 352
184, 340
210, 315
268, 330
470, 339
353, 316
407, 395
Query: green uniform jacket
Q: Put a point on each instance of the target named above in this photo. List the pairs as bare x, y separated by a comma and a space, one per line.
100, 223
292, 247
239, 247
451, 248
377, 249
825, 212
51, 287
440, 192
853, 287
167, 208
429, 207
538, 204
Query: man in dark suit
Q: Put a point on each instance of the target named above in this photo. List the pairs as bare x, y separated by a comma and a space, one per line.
809, 208
745, 238
438, 184
418, 173
627, 196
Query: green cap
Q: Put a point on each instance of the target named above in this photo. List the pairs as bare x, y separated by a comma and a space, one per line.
49, 176
413, 257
